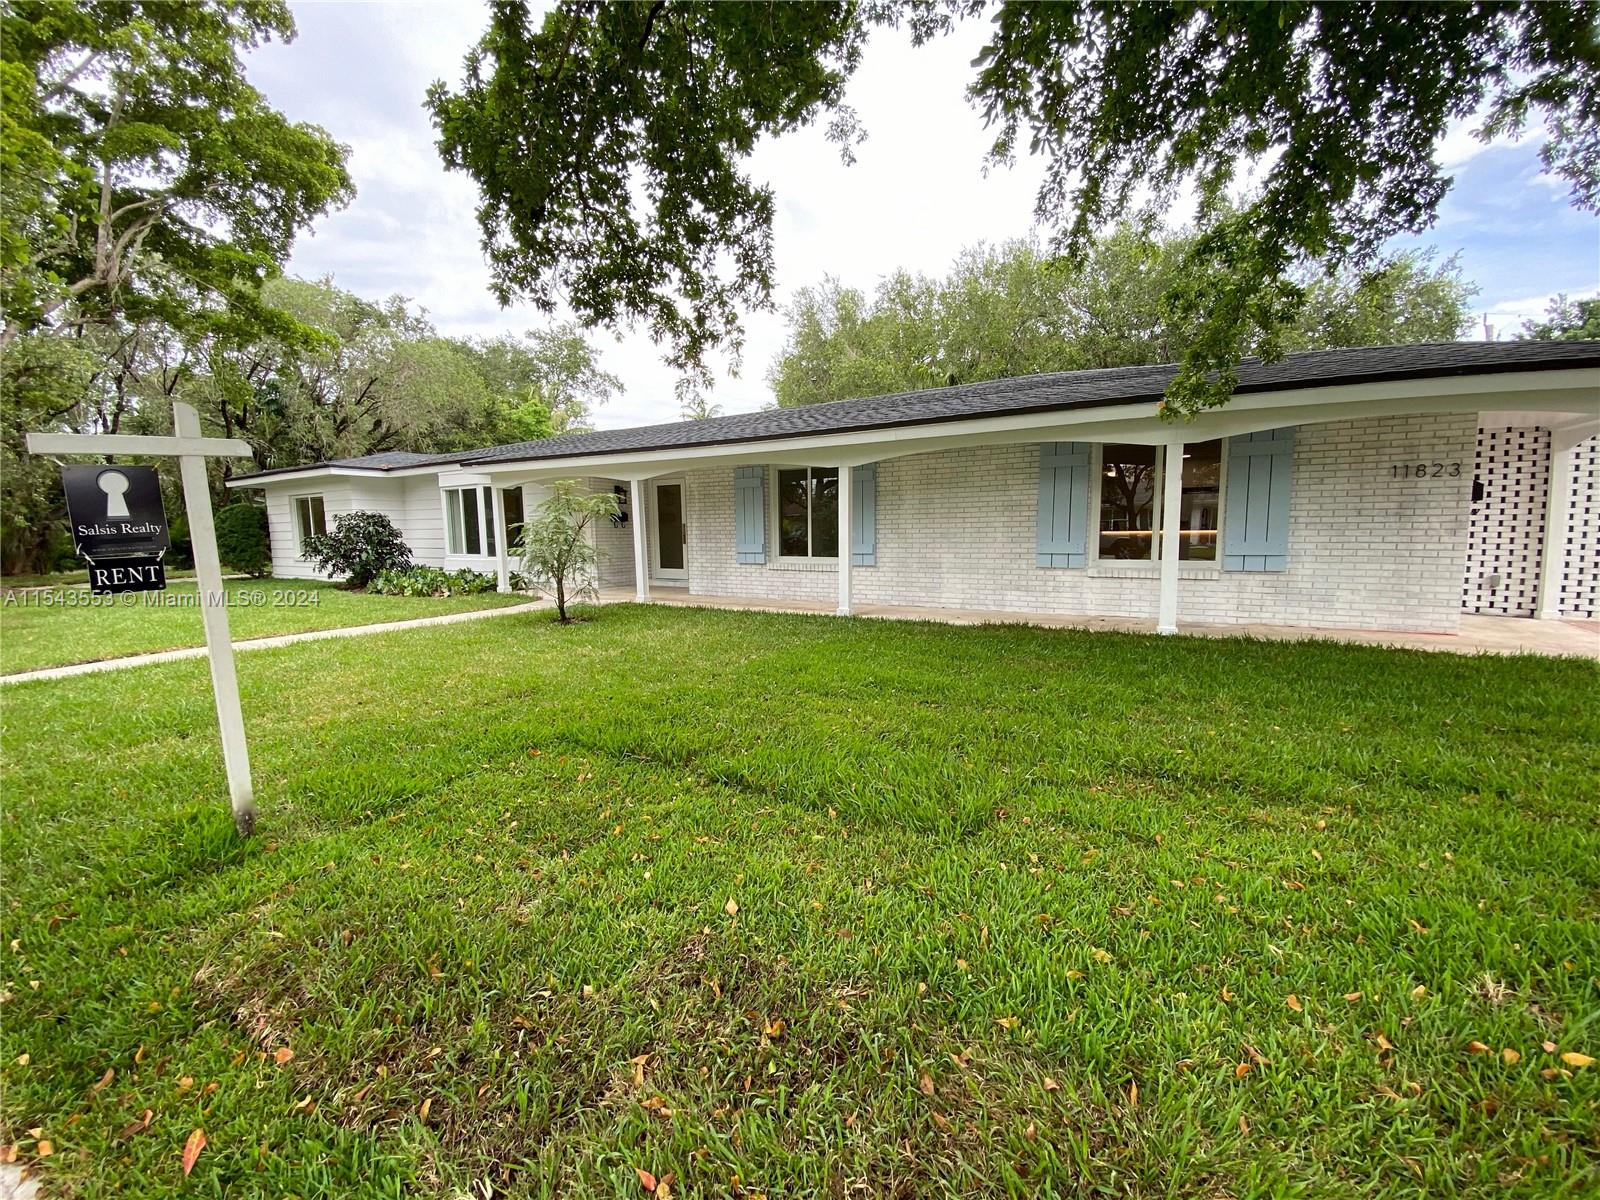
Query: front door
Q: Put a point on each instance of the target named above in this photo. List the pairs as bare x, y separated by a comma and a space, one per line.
668, 532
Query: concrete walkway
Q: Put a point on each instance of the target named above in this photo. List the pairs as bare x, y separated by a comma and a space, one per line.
268, 643
1478, 634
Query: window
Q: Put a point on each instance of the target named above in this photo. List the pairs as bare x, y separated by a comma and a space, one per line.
1130, 501
310, 517
511, 499
1127, 501
469, 521
808, 512
1202, 502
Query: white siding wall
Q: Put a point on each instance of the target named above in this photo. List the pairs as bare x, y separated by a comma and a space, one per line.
956, 529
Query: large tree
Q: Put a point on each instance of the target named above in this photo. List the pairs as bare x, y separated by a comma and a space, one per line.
611, 142
1016, 310
134, 153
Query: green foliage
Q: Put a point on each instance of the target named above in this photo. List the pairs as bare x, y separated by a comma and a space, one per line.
140, 165
431, 581
1014, 310
1306, 129
544, 384
662, 101
360, 546
927, 831
242, 542
1566, 321
557, 553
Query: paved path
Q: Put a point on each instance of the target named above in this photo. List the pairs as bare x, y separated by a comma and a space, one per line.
267, 643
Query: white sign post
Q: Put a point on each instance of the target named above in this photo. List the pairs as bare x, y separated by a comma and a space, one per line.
191, 450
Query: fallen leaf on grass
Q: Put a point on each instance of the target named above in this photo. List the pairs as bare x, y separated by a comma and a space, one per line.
1573, 1059
1031, 1133
925, 1084
422, 1112
192, 1148
1240, 1071
731, 908
138, 1126
1383, 1042
646, 1180
776, 1028
1477, 1048
105, 1080
1510, 1057
1050, 1085
22, 1060
45, 1149
1133, 1095
1103, 957
1352, 997
1418, 992
1549, 1047
1227, 996
282, 1055
1293, 1002
1007, 1023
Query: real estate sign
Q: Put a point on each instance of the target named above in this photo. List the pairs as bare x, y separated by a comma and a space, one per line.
119, 525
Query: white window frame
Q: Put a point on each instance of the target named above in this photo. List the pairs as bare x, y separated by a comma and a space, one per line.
299, 526
487, 526
776, 528
1154, 561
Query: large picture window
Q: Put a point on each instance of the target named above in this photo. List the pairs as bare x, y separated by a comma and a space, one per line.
1130, 501
310, 517
808, 512
469, 521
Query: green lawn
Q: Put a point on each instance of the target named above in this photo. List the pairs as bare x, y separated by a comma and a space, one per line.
68, 625
798, 906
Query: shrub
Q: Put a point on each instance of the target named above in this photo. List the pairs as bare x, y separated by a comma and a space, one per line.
431, 581
242, 543
361, 545
556, 551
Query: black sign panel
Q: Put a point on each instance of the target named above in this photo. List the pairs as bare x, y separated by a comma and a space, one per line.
116, 512
113, 575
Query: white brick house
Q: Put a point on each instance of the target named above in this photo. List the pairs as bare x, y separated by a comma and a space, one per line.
1389, 488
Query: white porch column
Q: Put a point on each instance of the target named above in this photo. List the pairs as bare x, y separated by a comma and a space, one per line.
846, 486
1558, 502
641, 564
502, 555
1171, 514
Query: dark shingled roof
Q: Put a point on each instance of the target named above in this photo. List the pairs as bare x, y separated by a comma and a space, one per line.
1057, 392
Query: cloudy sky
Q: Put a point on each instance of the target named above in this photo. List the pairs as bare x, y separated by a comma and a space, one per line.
916, 195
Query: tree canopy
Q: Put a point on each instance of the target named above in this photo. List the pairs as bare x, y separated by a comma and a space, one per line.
1014, 309
140, 168
611, 142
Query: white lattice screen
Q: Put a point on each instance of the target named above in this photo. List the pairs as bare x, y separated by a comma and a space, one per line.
1506, 534
1580, 573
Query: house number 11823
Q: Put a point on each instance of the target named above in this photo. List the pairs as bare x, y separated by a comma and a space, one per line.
1438, 470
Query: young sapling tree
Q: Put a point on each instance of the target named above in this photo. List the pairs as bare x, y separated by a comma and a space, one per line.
557, 553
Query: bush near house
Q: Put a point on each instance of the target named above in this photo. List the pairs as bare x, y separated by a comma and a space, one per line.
242, 541
431, 581
362, 545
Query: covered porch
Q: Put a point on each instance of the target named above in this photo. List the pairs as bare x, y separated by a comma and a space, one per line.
1477, 635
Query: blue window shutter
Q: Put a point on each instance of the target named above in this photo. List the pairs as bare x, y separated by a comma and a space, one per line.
750, 514
864, 516
1255, 521
1063, 504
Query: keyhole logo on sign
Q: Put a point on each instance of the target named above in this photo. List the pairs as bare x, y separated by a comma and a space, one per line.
115, 485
